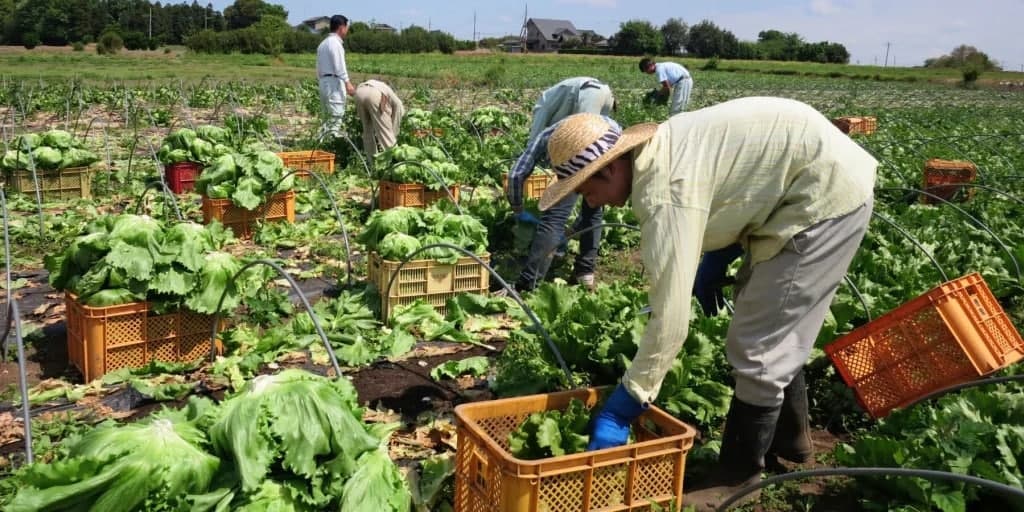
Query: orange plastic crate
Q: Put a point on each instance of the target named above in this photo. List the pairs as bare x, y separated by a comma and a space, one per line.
304, 161
627, 478
279, 207
864, 125
940, 176
534, 186
955, 333
104, 339
393, 195
430, 280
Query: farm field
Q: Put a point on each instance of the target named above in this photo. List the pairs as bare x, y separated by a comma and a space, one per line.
391, 416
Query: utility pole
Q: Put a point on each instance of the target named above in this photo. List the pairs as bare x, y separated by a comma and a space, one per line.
151, 21
887, 54
474, 30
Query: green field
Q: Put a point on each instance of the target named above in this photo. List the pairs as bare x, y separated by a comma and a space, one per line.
467, 119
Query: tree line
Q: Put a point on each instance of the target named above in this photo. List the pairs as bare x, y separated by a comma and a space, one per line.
706, 40
245, 26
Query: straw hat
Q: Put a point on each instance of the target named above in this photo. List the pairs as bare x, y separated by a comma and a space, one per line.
584, 144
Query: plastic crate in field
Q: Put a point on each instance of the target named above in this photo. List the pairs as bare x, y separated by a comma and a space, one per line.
104, 339
955, 333
627, 478
941, 178
278, 208
63, 184
393, 195
181, 176
851, 125
430, 280
311, 160
534, 186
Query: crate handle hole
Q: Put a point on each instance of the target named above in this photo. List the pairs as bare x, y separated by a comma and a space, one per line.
979, 306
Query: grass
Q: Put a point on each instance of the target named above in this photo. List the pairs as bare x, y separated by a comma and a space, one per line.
534, 70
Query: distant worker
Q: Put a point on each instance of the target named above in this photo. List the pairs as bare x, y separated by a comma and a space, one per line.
674, 80
381, 111
333, 77
571, 96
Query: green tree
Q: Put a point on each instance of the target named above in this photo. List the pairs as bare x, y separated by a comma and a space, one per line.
637, 37
964, 57
245, 13
777, 45
674, 35
708, 40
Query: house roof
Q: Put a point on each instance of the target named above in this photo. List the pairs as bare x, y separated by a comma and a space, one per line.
315, 19
549, 28
381, 26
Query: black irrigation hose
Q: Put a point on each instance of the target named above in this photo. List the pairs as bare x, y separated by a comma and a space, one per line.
963, 212
302, 297
856, 291
341, 220
978, 185
511, 293
927, 474
168, 195
957, 387
914, 241
7, 276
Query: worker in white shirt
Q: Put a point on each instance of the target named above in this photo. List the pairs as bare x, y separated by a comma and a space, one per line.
570, 96
380, 111
333, 77
773, 175
674, 80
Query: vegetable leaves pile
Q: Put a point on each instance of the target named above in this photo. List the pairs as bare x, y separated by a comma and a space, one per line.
52, 150
429, 157
552, 433
130, 258
397, 232
203, 145
248, 179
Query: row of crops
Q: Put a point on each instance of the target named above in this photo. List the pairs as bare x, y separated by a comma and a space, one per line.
229, 435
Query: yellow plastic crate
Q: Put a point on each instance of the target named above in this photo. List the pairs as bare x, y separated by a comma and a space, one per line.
59, 185
311, 160
534, 186
628, 478
426, 279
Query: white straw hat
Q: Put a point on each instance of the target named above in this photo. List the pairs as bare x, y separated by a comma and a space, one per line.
584, 144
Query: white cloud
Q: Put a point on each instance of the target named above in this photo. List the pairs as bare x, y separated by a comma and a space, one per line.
824, 7
609, 4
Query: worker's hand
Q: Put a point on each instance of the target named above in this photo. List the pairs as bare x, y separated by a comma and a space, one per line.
611, 425
350, 89
526, 217
707, 286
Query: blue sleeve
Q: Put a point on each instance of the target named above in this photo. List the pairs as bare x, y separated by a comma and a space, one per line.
536, 151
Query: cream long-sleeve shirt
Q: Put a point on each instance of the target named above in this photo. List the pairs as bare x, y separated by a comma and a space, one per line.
752, 170
330, 58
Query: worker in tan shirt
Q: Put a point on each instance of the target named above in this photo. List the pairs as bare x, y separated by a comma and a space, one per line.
773, 175
381, 111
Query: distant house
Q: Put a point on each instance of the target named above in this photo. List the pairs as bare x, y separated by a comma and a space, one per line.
512, 44
317, 24
547, 35
383, 27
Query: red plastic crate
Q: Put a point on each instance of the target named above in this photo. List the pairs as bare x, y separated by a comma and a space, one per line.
955, 333
941, 178
181, 176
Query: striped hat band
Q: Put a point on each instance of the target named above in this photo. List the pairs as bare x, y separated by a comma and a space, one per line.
589, 154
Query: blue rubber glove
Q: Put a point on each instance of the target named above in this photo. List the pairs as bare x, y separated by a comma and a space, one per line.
526, 218
611, 425
707, 286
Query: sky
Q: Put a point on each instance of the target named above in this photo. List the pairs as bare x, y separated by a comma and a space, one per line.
913, 29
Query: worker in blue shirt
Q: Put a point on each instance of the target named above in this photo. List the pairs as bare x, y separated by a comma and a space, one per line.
674, 79
570, 96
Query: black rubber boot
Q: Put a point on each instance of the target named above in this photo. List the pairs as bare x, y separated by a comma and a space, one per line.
793, 432
748, 435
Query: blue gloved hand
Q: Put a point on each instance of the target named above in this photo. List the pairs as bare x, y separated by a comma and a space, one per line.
526, 218
611, 425
707, 286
